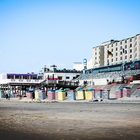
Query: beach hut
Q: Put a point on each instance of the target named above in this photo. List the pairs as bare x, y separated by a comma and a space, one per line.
89, 94
106, 94
123, 91
30, 93
40, 94
61, 95
71, 95
2, 95
10, 93
51, 95
126, 91
98, 93
80, 94
119, 93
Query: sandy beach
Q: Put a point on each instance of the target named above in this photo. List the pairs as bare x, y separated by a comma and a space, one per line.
69, 120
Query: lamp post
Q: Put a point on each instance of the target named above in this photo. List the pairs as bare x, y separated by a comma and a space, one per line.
123, 61
123, 68
123, 64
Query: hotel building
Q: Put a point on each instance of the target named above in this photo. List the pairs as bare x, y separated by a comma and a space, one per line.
115, 51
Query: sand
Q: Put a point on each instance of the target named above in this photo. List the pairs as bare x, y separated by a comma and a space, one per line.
69, 121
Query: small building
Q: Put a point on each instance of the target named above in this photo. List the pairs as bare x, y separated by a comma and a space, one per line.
60, 77
18, 84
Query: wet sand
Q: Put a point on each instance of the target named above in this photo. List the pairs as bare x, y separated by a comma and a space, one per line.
76, 121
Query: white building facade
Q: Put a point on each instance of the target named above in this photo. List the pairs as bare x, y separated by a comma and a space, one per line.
10, 78
61, 75
121, 51
125, 50
78, 66
97, 56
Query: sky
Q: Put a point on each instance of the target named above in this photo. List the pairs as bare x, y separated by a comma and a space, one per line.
34, 33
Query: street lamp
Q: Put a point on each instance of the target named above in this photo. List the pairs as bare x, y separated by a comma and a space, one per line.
123, 61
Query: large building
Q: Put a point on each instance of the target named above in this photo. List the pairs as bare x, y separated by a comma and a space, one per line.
113, 60
115, 52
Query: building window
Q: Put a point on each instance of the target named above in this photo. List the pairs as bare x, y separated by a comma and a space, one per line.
10, 76
121, 43
33, 77
120, 58
67, 77
116, 59
130, 45
60, 77
116, 43
107, 61
116, 54
121, 48
125, 41
130, 50
120, 53
116, 49
130, 39
112, 60
17, 77
130, 56
25, 77
78, 75
125, 57
125, 46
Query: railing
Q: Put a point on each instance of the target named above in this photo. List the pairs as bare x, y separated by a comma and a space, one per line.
51, 81
68, 83
21, 81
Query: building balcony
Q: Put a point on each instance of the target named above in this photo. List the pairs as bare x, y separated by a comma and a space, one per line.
22, 81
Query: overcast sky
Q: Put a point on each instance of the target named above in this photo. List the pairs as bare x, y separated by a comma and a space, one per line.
34, 33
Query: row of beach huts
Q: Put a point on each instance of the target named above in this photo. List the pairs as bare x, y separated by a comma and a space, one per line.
81, 93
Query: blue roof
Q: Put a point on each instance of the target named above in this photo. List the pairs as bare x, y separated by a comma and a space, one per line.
13, 74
